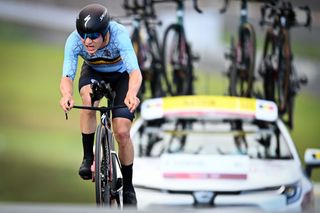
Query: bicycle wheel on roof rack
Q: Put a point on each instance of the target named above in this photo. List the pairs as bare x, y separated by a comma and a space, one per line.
277, 65
232, 69
158, 79
267, 70
177, 60
241, 81
138, 48
283, 84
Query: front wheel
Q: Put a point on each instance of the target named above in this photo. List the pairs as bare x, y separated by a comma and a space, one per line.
108, 178
102, 159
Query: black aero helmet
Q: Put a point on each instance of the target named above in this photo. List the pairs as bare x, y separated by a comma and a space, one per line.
93, 18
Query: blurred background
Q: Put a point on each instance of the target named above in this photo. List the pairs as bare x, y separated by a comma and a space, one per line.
40, 151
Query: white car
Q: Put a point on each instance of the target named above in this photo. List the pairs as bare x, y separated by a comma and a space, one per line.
223, 151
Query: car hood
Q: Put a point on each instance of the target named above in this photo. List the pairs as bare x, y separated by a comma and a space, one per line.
185, 173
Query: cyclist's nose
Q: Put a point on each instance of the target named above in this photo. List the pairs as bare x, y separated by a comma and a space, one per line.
88, 40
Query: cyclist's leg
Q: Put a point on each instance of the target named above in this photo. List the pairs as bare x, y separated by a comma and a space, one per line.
121, 127
87, 122
122, 119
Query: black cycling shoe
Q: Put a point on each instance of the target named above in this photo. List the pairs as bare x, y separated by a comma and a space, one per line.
85, 169
129, 198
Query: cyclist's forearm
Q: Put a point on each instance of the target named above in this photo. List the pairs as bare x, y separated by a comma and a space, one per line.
66, 86
135, 80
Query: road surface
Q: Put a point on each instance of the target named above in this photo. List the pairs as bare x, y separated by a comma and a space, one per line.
148, 201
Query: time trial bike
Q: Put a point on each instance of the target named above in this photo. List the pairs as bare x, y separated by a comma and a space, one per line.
106, 167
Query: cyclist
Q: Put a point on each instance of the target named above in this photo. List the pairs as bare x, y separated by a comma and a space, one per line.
108, 55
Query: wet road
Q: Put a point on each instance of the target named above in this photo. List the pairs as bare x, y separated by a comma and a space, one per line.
148, 201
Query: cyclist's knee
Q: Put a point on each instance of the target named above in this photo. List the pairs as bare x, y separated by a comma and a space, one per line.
86, 101
121, 130
85, 95
88, 114
122, 136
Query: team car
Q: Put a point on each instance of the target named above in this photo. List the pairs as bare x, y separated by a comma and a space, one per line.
223, 151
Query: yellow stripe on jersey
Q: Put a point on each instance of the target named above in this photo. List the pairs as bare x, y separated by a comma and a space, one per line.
106, 61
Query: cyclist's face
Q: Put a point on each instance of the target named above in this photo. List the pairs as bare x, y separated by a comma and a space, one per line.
92, 45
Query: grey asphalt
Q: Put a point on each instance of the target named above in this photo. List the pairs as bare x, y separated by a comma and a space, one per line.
149, 201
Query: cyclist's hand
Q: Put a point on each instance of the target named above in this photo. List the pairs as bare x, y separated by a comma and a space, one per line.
132, 102
66, 103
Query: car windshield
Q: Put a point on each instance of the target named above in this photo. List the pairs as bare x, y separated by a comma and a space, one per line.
257, 140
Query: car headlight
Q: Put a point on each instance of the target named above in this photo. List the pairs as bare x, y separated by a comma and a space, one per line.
291, 191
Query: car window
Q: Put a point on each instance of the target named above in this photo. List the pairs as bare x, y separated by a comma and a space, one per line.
213, 138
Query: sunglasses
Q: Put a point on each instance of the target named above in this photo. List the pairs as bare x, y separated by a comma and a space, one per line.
92, 36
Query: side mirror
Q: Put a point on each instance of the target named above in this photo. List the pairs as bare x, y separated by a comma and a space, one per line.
312, 160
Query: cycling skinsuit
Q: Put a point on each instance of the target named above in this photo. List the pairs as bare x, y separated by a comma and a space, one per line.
112, 63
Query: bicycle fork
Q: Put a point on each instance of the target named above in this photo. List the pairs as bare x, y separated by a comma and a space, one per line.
115, 164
